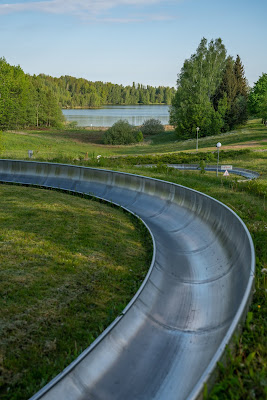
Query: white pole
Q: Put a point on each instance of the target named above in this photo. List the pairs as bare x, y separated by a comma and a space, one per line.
197, 138
218, 145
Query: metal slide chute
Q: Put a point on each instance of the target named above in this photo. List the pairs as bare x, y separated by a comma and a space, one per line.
168, 340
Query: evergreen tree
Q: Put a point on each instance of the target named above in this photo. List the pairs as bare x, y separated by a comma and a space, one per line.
227, 86
241, 82
240, 103
227, 90
234, 87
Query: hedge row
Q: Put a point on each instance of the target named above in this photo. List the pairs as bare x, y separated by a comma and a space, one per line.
182, 158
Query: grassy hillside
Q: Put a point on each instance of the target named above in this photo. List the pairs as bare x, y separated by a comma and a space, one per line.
245, 377
68, 267
75, 144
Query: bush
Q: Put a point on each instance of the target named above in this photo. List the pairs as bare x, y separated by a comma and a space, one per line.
122, 133
202, 166
139, 136
152, 127
71, 125
183, 158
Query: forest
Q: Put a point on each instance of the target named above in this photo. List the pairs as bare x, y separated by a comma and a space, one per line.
36, 101
80, 93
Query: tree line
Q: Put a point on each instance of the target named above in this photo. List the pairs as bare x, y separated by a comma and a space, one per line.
36, 101
212, 92
80, 93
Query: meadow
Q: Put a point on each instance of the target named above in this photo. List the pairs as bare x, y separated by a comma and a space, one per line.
74, 144
68, 267
244, 374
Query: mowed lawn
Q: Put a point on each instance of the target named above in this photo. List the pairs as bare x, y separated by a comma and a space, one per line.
68, 267
80, 144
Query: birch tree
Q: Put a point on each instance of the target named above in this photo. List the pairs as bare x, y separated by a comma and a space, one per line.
197, 82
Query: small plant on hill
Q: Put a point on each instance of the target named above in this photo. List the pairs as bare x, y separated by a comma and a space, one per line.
71, 125
122, 133
152, 127
139, 136
202, 166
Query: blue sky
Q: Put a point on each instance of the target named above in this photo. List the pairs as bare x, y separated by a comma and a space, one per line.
125, 41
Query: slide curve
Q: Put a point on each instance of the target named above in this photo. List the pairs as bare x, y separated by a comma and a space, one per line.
169, 338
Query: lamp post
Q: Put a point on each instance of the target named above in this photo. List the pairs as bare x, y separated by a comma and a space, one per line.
197, 138
218, 145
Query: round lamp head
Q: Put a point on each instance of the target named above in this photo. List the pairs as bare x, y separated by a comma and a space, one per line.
218, 145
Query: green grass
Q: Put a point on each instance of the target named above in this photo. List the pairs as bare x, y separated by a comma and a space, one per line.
252, 131
68, 267
74, 144
48, 145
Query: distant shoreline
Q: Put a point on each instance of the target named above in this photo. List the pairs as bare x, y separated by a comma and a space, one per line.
114, 105
105, 128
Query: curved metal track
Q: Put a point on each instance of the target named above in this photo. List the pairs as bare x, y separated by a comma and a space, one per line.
246, 173
169, 338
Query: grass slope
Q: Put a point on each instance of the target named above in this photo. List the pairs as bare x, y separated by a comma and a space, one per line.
68, 266
245, 376
74, 144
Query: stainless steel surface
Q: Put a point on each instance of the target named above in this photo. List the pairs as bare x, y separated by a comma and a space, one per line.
170, 337
246, 173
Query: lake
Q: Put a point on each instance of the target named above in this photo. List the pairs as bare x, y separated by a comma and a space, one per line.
108, 115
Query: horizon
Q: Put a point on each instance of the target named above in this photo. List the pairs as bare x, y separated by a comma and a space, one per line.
126, 41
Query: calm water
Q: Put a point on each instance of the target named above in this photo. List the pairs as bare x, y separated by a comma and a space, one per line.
108, 115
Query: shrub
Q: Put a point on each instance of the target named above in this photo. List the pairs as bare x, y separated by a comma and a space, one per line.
254, 186
210, 158
183, 158
202, 166
152, 127
122, 133
71, 125
139, 136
